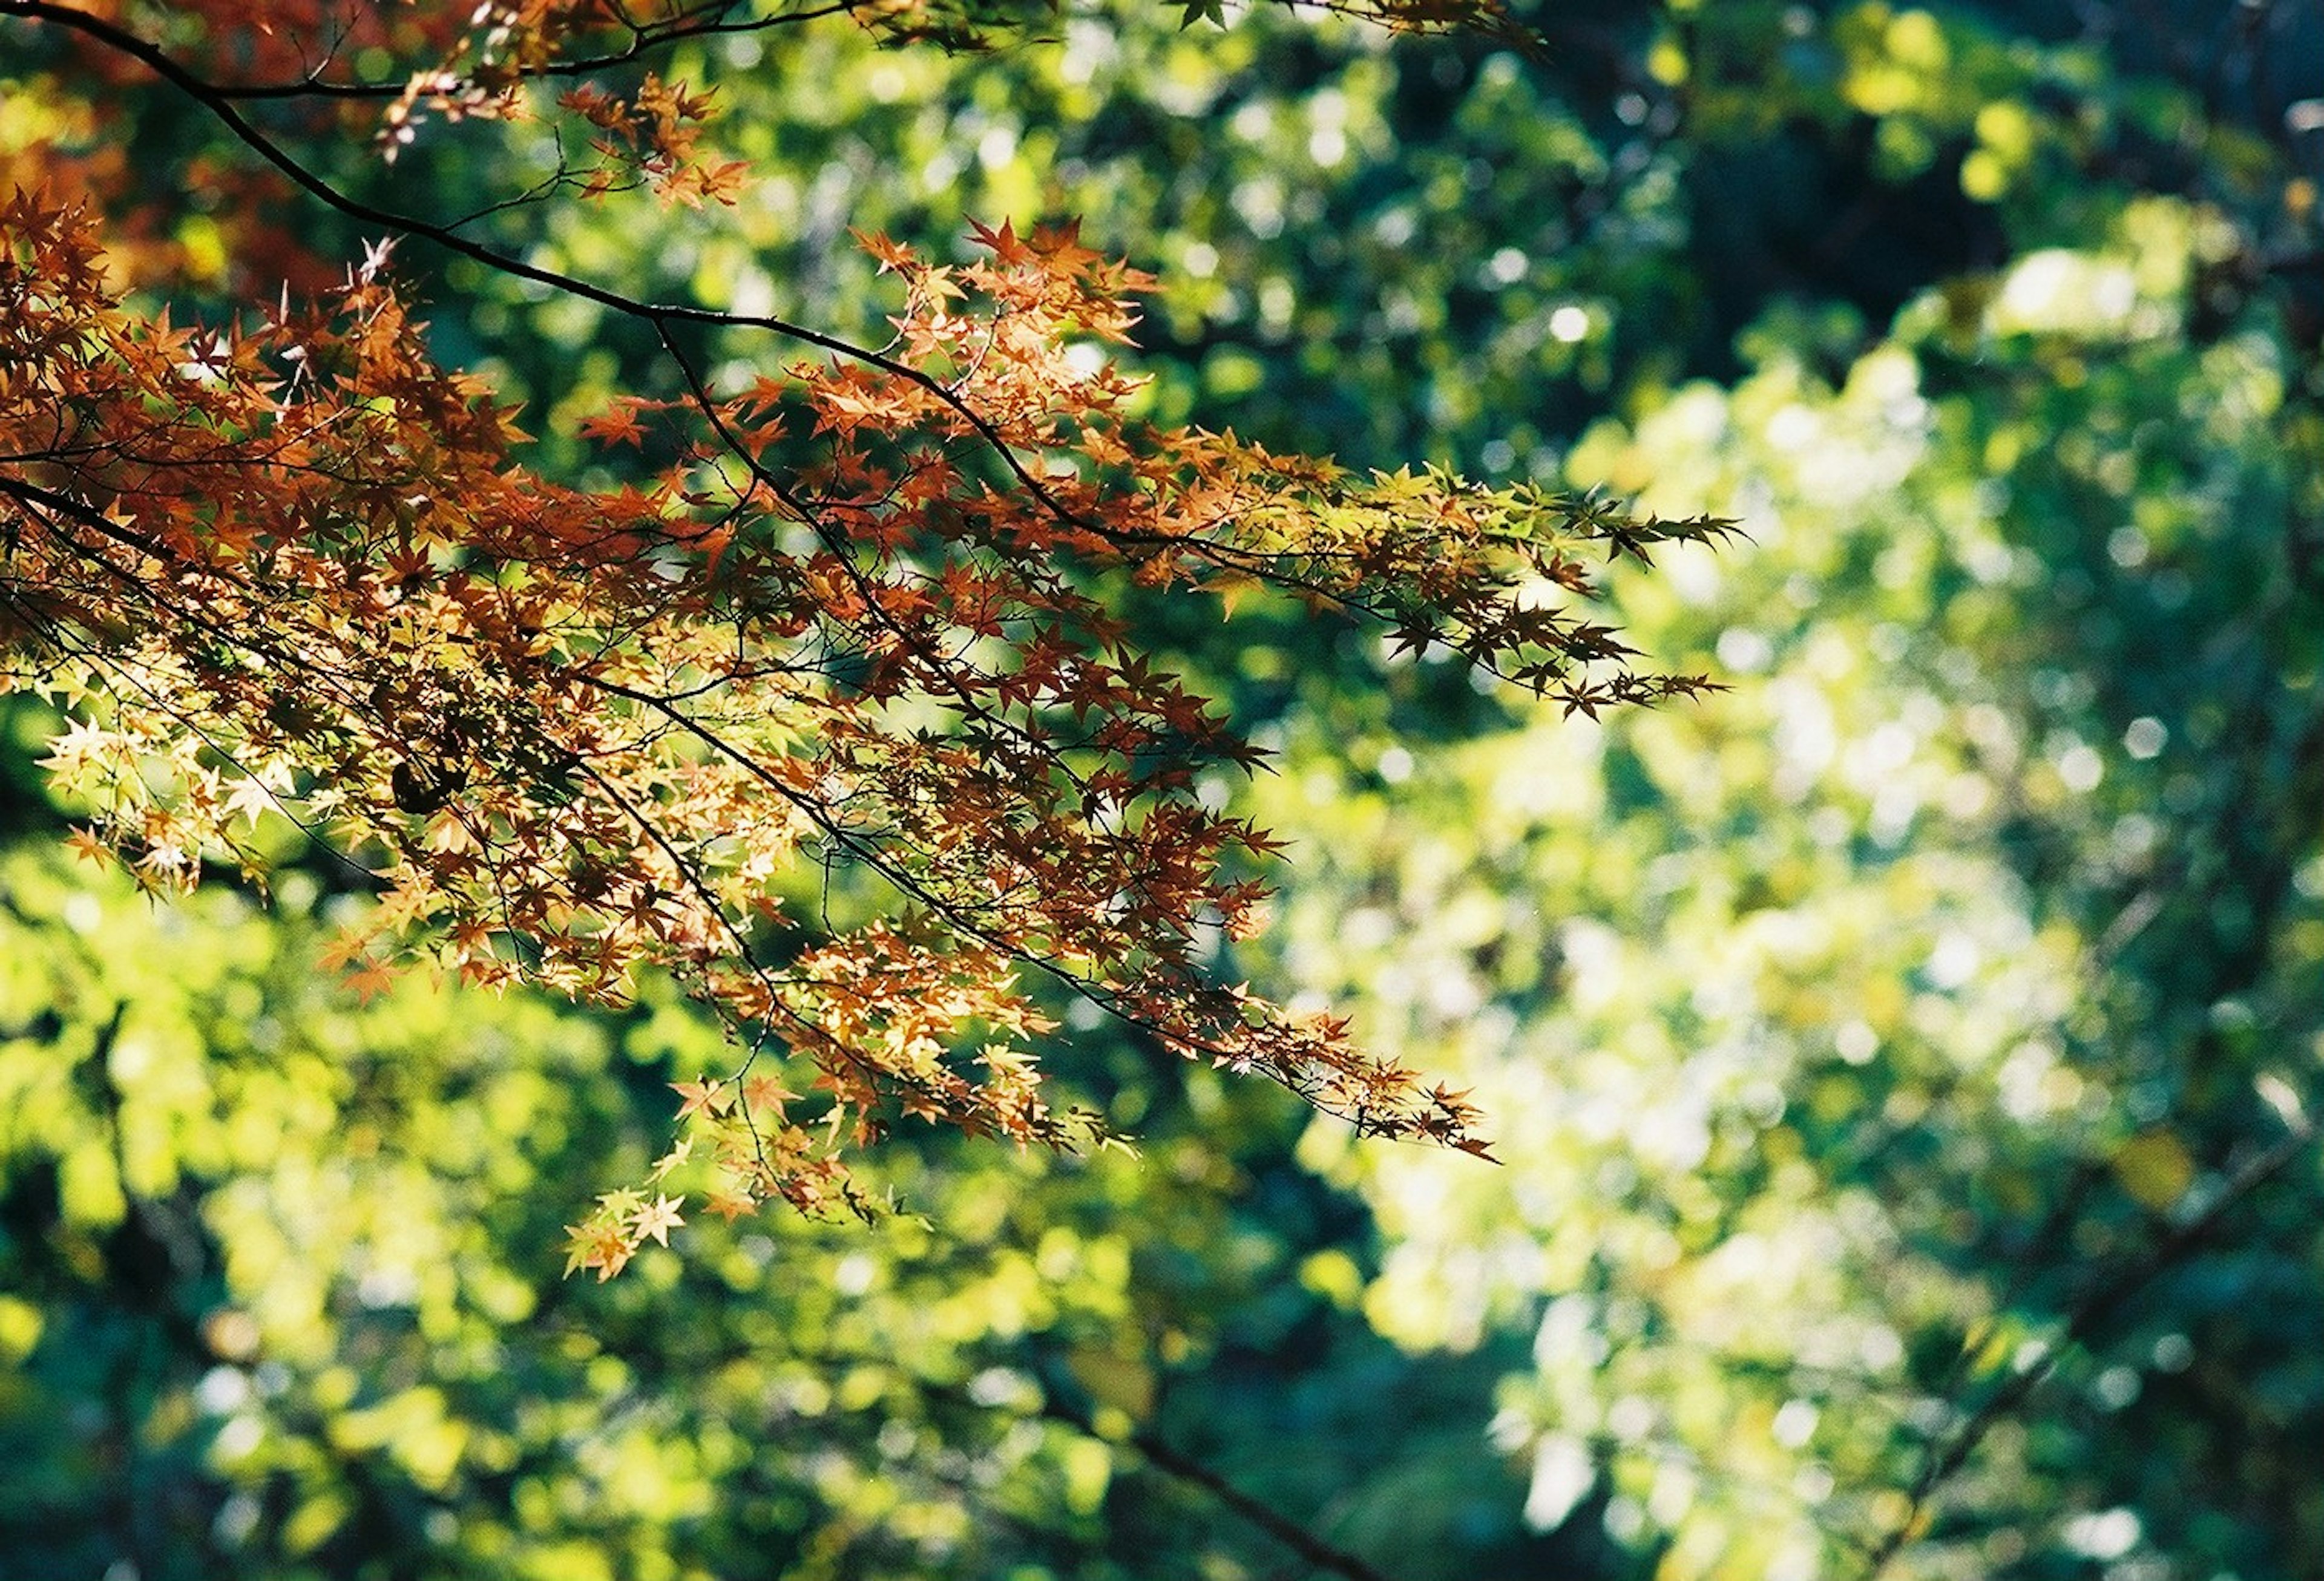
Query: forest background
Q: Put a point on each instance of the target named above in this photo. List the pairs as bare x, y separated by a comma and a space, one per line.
1904, 1064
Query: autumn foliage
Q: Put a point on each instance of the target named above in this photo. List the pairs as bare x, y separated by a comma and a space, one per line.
867, 608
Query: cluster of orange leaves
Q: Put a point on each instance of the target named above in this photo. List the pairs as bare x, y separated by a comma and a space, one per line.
856, 612
656, 130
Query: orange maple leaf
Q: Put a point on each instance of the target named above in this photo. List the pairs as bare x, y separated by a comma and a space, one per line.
617, 426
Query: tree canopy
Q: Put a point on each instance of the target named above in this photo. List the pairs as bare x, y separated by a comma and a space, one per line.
863, 610
1902, 1063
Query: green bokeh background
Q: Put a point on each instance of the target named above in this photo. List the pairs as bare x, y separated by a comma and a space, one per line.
1914, 1046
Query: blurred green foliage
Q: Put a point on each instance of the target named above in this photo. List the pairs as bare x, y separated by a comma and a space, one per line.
1906, 1065
283, 1299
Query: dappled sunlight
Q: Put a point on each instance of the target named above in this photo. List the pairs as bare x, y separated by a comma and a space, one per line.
1780, 1032
1896, 1071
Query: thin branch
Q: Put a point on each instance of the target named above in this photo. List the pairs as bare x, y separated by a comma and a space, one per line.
1946, 1458
660, 314
656, 314
1177, 1464
644, 39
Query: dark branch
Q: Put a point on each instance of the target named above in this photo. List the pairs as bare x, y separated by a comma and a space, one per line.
2096, 1311
1178, 1465
702, 22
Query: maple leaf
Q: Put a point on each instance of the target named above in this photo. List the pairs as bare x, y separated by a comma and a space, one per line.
598, 1242
581, 1249
88, 847
618, 426
1006, 247
725, 182
889, 254
763, 1092
370, 980
701, 1095
344, 947
656, 1219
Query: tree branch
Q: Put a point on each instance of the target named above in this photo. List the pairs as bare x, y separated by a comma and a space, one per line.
1945, 1457
656, 314
1178, 1465
702, 22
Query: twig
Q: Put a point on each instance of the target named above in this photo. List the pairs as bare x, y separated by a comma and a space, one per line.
1946, 1458
1178, 1463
